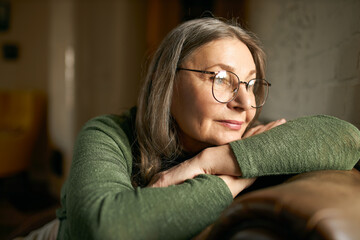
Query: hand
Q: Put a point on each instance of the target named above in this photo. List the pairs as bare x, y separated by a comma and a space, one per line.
187, 170
218, 160
177, 174
262, 128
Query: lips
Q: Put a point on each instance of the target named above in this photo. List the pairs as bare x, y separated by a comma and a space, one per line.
231, 124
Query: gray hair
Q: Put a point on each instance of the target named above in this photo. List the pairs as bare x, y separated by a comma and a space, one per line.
155, 128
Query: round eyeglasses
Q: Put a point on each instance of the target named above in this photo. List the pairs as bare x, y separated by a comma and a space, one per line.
225, 87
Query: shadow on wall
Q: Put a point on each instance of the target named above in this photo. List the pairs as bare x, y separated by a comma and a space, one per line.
313, 57
344, 98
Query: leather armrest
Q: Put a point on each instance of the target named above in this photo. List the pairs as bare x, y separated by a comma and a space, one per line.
314, 205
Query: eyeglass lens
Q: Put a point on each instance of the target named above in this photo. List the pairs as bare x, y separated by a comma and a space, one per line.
226, 86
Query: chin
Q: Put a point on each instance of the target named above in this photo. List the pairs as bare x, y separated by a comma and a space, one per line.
225, 137
223, 141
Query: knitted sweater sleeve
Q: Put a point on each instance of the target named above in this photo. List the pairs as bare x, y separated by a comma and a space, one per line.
100, 202
305, 144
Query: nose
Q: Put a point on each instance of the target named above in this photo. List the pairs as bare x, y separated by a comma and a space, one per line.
243, 99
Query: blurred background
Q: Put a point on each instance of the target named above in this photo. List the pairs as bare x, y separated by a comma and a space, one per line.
63, 62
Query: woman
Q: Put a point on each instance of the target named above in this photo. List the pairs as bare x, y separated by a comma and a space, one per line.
167, 169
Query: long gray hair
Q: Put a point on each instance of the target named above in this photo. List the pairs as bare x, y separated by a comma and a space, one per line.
155, 128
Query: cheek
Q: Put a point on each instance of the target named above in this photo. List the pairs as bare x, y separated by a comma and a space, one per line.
192, 106
250, 115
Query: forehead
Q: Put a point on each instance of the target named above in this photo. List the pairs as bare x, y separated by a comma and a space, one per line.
229, 52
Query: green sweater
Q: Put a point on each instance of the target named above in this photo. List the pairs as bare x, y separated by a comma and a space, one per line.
99, 202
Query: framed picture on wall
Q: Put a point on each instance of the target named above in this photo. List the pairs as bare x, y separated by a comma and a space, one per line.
4, 15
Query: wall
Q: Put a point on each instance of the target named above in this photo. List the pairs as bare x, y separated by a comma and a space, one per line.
61, 83
97, 55
313, 52
110, 47
29, 28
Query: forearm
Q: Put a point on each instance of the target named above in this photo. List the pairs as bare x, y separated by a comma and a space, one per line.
305, 144
175, 212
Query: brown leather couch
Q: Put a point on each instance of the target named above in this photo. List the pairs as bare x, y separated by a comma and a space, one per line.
314, 205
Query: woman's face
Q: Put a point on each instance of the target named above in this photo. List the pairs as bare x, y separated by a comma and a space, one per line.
203, 121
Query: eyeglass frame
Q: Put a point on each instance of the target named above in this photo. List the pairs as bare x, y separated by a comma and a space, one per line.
239, 82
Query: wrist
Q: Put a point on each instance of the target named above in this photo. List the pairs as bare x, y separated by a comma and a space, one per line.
218, 160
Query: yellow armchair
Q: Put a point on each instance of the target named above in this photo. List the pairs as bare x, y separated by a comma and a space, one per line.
22, 117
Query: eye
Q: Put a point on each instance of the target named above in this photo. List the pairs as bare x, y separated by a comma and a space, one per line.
223, 81
222, 78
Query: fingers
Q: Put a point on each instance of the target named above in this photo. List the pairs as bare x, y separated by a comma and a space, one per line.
271, 125
165, 179
262, 128
252, 131
176, 175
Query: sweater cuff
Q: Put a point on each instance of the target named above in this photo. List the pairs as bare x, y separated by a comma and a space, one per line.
263, 155
245, 160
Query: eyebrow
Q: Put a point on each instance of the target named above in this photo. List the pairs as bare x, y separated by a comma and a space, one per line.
231, 69
251, 73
